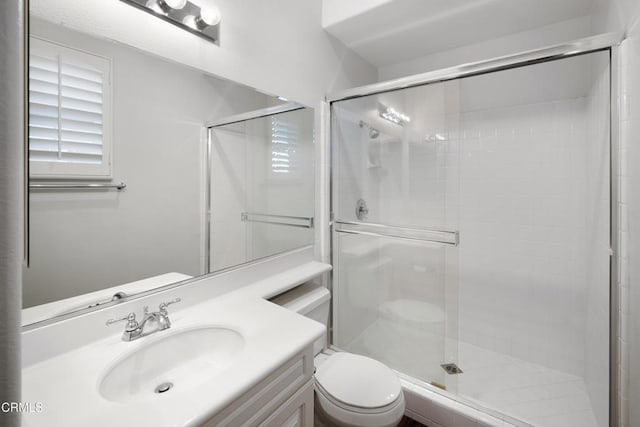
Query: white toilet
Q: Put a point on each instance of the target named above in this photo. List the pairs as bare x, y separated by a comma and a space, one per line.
350, 390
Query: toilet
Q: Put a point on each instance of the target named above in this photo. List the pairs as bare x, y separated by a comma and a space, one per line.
350, 390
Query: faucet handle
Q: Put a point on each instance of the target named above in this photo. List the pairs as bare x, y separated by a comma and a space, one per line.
132, 324
163, 306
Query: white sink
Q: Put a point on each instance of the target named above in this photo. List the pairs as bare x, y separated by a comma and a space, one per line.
177, 362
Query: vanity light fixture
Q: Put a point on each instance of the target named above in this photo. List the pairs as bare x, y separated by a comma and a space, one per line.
168, 5
203, 21
208, 17
436, 137
393, 115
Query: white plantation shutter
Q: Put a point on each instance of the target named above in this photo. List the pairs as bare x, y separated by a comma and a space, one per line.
285, 137
69, 112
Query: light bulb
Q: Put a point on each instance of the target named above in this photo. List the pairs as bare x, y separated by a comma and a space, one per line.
210, 16
175, 4
190, 21
153, 5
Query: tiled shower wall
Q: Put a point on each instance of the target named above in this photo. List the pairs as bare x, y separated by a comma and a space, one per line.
522, 216
624, 16
628, 374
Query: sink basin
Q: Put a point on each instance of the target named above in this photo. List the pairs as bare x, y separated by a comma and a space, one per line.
176, 362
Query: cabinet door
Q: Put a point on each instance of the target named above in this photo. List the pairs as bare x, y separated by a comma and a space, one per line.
295, 412
268, 396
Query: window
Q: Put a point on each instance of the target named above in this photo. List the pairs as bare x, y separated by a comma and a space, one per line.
69, 112
285, 135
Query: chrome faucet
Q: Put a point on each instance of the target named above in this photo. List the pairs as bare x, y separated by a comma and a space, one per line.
134, 329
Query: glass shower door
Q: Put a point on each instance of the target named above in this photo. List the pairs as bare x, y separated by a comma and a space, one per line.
518, 162
395, 230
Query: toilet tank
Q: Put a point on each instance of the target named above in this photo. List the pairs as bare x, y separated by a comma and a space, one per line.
310, 300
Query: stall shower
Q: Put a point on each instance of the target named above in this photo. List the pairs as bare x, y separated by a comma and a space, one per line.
482, 266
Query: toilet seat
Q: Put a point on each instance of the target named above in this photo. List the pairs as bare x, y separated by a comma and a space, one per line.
359, 391
352, 408
339, 416
358, 381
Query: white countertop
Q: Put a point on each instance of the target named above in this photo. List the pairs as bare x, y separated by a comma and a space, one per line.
66, 380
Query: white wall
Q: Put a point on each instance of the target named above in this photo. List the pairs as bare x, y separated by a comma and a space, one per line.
85, 241
334, 11
624, 15
11, 199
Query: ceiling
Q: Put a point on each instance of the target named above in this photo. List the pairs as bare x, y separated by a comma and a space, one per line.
386, 32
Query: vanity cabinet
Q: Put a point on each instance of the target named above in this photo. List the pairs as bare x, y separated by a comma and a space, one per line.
295, 412
283, 398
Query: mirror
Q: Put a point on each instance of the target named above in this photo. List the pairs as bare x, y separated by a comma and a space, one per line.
104, 113
260, 175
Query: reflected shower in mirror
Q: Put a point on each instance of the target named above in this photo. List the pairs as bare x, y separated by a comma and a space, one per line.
102, 113
262, 185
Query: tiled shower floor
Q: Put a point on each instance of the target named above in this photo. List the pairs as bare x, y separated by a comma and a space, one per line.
532, 393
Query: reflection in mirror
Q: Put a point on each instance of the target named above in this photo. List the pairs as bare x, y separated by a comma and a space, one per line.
103, 113
261, 186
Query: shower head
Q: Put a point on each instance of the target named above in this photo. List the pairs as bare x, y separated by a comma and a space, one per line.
373, 132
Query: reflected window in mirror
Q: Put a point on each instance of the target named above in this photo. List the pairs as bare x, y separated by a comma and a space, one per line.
285, 136
69, 112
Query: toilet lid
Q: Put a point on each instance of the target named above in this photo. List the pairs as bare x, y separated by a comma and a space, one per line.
358, 381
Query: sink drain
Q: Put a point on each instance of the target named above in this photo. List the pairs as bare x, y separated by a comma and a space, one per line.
164, 387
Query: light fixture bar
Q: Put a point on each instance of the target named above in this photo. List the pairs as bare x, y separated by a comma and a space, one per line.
201, 21
392, 115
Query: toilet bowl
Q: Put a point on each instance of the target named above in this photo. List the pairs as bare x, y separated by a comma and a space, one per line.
350, 390
353, 390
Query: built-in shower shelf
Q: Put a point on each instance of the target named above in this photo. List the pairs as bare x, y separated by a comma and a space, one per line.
452, 369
